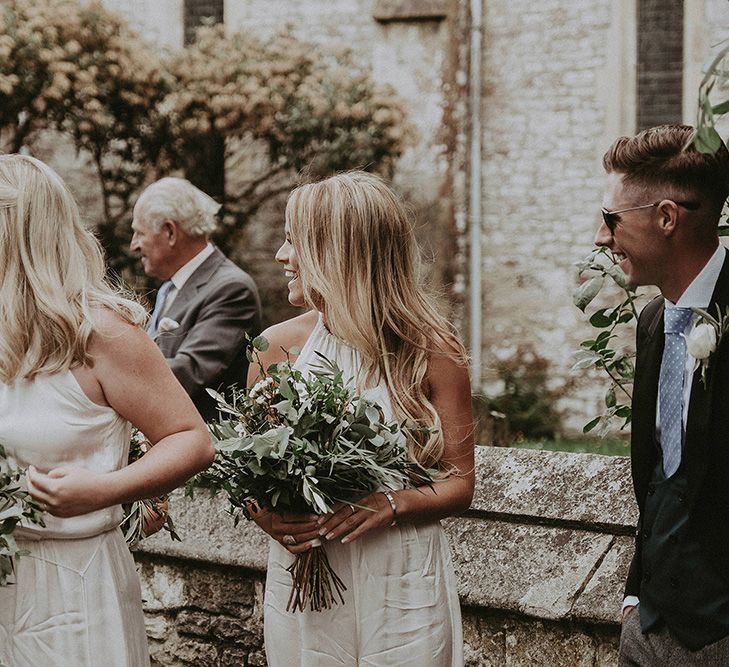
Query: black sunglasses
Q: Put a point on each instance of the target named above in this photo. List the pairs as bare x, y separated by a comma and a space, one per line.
610, 218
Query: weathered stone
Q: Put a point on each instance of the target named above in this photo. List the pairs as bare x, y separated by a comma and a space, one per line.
208, 534
537, 582
194, 623
233, 630
236, 598
536, 644
483, 641
157, 626
234, 657
197, 653
257, 659
602, 598
534, 569
589, 489
162, 587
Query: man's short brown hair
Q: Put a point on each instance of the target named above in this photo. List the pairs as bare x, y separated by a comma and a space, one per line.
665, 156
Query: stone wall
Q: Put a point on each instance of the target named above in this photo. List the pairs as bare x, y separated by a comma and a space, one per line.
540, 558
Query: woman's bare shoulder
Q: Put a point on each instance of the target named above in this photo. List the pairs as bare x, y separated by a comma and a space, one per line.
291, 333
282, 339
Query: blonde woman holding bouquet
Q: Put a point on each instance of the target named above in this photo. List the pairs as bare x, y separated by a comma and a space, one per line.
352, 258
75, 369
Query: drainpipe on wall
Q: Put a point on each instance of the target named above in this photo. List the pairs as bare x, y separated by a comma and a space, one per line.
475, 192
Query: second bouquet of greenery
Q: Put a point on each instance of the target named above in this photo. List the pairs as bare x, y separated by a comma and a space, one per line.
301, 442
15, 505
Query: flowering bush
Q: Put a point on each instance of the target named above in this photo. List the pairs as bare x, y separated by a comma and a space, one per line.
77, 68
292, 105
273, 107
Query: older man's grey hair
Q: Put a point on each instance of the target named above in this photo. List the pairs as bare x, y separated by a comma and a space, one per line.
178, 200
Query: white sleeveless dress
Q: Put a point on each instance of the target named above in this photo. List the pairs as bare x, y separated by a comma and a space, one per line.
76, 600
401, 604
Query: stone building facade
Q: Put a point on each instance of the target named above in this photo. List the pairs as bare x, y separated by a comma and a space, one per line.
505, 173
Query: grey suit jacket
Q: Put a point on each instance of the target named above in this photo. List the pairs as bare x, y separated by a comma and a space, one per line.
215, 309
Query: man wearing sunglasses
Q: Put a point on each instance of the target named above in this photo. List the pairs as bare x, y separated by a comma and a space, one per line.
662, 205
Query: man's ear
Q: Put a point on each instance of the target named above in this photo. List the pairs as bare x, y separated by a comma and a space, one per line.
170, 231
667, 211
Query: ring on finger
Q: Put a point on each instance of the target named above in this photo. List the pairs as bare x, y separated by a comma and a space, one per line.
290, 540
352, 508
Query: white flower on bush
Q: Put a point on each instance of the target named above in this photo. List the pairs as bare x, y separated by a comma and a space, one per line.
260, 386
701, 342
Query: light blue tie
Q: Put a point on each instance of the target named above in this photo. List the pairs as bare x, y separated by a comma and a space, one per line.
670, 386
159, 304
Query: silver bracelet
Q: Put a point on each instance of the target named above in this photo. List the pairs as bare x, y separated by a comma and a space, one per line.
393, 505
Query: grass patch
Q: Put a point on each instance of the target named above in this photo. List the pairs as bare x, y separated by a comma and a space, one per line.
608, 446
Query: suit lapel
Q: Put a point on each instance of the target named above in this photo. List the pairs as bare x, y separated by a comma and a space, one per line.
644, 451
698, 437
200, 276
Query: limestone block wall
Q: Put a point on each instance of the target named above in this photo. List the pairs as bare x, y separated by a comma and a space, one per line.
540, 558
558, 87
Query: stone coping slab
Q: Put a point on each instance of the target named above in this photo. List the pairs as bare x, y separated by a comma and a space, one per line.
538, 571
545, 537
556, 487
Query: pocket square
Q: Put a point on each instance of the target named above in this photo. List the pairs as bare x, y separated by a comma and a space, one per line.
167, 324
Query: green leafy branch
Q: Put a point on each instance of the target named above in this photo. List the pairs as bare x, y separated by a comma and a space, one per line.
601, 268
15, 505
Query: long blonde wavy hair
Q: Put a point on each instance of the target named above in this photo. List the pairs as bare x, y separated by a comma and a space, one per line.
52, 274
359, 265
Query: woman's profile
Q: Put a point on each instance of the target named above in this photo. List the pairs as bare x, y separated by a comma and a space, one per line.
351, 257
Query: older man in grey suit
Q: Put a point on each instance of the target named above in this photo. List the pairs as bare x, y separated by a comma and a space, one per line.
206, 304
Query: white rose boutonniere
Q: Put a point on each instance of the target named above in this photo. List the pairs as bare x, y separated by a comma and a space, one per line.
701, 342
705, 337
167, 324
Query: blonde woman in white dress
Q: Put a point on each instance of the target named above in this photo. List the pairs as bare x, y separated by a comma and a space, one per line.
76, 369
352, 259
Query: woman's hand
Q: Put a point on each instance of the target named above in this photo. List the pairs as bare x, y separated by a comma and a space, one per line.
296, 532
69, 491
350, 522
154, 517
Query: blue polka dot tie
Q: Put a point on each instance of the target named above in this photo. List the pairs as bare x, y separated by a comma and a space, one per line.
670, 386
159, 304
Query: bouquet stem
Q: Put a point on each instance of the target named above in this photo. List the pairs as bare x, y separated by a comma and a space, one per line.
314, 582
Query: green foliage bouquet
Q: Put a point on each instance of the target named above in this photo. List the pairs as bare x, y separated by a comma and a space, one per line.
140, 514
300, 443
15, 505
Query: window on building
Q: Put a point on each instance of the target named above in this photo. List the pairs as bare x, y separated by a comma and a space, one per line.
660, 62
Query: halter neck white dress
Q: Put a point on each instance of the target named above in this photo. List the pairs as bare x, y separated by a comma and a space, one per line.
76, 600
401, 604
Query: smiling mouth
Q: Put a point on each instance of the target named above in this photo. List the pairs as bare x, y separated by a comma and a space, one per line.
291, 274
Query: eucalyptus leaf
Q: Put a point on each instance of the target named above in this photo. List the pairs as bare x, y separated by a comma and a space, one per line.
618, 275
721, 108
586, 292
707, 140
260, 343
